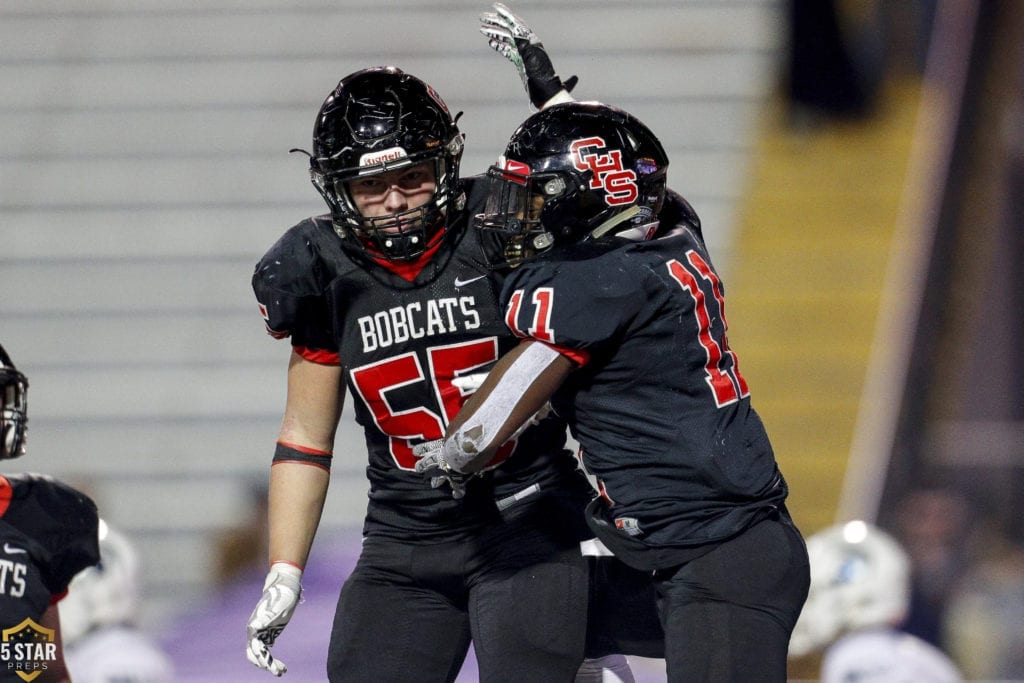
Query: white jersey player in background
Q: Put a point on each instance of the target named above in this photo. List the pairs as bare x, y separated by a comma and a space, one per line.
99, 621
860, 590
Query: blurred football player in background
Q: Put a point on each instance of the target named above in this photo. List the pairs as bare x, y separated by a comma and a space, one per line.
626, 336
985, 610
859, 594
99, 619
386, 296
48, 533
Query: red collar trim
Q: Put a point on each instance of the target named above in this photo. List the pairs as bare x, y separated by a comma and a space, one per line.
6, 491
409, 270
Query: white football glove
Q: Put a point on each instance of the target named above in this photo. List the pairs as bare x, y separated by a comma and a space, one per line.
431, 458
509, 36
282, 590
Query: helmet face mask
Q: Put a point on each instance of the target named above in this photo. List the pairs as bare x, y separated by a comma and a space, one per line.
518, 208
384, 226
378, 121
13, 409
573, 172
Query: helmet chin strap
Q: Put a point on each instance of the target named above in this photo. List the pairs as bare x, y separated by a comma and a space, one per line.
616, 219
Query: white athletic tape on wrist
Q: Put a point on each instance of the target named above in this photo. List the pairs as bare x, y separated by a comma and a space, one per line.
560, 97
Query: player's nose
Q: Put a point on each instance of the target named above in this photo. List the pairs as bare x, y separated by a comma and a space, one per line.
395, 200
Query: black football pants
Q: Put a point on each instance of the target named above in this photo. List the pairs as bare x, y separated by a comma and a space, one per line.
518, 589
728, 614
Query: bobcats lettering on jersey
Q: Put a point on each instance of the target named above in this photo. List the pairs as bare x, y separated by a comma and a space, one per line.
403, 341
417, 320
12, 578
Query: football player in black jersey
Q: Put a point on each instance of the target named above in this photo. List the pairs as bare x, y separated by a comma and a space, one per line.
48, 533
387, 298
626, 337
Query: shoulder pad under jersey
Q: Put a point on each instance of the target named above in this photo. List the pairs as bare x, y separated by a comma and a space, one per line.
290, 280
475, 189
677, 213
578, 297
61, 522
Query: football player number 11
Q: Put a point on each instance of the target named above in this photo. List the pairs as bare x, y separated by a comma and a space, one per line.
722, 370
699, 281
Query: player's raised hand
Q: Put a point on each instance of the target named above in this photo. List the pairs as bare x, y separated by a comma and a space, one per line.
512, 38
504, 26
281, 592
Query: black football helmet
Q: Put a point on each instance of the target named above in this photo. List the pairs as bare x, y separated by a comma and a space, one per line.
13, 408
378, 120
573, 172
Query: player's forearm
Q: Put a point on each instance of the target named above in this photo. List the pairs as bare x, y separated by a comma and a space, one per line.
297, 495
301, 469
518, 386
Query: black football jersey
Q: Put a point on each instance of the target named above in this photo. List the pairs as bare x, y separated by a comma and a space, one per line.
48, 533
402, 337
23, 593
658, 404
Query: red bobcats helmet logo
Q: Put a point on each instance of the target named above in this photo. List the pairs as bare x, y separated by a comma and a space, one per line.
619, 183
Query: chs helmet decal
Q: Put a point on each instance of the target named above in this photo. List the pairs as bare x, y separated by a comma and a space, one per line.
619, 184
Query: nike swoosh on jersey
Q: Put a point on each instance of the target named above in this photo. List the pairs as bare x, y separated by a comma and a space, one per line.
459, 282
11, 550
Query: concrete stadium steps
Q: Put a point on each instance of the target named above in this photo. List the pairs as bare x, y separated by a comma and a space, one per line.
812, 241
